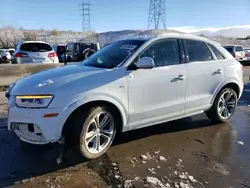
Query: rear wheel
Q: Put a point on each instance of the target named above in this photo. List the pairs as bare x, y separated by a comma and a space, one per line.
94, 131
4, 59
224, 106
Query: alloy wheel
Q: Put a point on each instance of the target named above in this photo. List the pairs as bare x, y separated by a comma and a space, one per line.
227, 104
99, 133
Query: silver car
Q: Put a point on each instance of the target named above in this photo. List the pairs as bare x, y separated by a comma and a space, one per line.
127, 85
35, 52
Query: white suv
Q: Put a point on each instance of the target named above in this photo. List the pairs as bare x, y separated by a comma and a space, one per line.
34, 52
127, 85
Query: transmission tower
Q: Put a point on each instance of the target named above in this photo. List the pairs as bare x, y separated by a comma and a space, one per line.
157, 14
85, 14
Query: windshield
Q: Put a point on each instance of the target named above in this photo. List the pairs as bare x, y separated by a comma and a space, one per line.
114, 54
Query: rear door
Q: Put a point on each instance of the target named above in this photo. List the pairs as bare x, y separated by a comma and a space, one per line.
205, 74
37, 52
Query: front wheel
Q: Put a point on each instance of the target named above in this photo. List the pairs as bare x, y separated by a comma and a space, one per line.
96, 132
224, 106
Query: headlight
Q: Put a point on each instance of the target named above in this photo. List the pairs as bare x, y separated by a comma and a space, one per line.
33, 101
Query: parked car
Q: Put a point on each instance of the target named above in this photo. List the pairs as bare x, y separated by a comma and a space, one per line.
127, 85
237, 52
5, 56
12, 52
246, 59
35, 52
79, 51
60, 50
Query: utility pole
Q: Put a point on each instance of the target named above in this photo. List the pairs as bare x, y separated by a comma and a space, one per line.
157, 14
85, 14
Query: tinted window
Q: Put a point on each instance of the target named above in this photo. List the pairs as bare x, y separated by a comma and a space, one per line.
230, 49
61, 49
36, 47
164, 53
70, 47
113, 54
198, 51
238, 49
217, 53
85, 46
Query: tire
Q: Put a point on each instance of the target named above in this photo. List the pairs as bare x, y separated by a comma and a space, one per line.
222, 110
84, 123
4, 59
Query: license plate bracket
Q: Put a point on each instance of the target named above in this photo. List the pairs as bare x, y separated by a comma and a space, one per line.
39, 60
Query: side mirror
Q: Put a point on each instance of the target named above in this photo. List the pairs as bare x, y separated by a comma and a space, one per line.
145, 63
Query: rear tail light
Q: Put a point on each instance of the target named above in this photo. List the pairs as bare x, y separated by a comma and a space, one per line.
246, 55
53, 54
20, 54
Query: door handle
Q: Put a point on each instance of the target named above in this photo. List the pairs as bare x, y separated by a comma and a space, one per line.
218, 71
180, 77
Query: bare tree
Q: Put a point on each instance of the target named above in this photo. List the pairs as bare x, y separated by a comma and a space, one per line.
30, 36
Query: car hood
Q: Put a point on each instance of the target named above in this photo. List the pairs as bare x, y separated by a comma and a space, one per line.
48, 81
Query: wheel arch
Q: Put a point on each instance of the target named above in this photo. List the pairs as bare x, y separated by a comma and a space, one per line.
231, 84
121, 113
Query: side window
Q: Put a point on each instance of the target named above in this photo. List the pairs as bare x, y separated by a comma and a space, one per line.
70, 47
164, 53
198, 51
217, 53
238, 49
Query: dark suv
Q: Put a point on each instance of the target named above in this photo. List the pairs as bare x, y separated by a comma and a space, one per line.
60, 50
78, 51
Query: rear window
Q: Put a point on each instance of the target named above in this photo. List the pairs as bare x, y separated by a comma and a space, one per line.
238, 49
229, 49
217, 53
36, 47
198, 51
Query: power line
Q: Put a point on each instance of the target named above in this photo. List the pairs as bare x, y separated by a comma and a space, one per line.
157, 14
85, 14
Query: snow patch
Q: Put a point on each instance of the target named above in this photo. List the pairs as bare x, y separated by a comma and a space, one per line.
155, 182
144, 157
161, 158
128, 184
241, 143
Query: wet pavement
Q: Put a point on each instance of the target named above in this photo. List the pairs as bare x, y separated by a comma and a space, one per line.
188, 152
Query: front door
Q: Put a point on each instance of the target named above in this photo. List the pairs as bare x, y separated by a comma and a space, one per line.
157, 94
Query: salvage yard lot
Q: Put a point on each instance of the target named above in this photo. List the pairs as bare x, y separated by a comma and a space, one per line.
188, 152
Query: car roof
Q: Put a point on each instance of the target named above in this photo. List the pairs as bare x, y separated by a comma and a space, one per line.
231, 46
171, 35
24, 42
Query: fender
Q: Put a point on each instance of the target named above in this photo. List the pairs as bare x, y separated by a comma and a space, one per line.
218, 89
67, 111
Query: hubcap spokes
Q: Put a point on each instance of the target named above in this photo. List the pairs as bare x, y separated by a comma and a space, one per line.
227, 104
100, 132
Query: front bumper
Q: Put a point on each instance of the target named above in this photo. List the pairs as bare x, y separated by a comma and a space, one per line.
30, 125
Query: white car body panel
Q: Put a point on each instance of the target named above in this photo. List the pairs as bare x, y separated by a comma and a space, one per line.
153, 100
143, 97
203, 80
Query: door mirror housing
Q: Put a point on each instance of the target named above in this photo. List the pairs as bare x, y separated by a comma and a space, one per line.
145, 63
